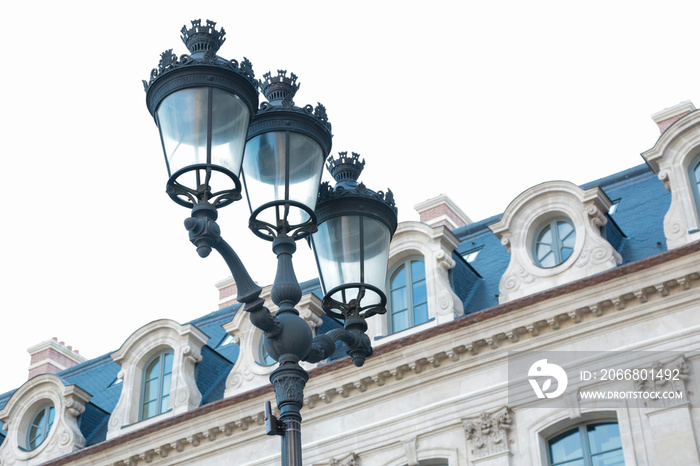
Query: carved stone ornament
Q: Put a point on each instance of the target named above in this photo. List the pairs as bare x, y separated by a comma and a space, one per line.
351, 460
667, 377
487, 434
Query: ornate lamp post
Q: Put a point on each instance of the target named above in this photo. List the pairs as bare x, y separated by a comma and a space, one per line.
205, 110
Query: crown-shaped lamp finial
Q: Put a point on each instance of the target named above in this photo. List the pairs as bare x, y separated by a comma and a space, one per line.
280, 89
345, 168
200, 38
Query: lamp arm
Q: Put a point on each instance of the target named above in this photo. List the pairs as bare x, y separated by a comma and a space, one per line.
206, 234
249, 292
355, 343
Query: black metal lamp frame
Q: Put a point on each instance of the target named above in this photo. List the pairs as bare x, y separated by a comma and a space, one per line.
287, 337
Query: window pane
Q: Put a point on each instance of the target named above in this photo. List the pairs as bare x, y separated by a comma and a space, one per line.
168, 363
400, 321
566, 447
149, 410
399, 278
604, 437
420, 295
572, 463
166, 385
565, 230
545, 256
165, 403
420, 314
153, 371
150, 390
611, 458
398, 300
546, 236
417, 270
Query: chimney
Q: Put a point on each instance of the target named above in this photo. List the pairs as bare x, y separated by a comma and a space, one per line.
49, 357
227, 292
442, 211
668, 116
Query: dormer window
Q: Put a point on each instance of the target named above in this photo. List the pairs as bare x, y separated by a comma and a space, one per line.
554, 243
158, 375
156, 386
408, 298
675, 158
471, 255
553, 232
418, 289
41, 421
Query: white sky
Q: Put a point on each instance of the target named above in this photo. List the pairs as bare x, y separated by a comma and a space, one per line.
478, 100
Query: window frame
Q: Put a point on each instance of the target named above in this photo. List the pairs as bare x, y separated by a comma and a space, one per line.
557, 242
582, 429
49, 410
160, 357
410, 305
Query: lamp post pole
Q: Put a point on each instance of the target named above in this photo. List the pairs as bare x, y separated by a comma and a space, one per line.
206, 110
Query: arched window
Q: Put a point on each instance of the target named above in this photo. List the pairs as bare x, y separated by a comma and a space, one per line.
40, 426
156, 386
408, 297
554, 243
590, 444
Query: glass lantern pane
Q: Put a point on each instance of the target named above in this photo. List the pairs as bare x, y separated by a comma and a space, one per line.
230, 118
376, 256
337, 249
268, 179
183, 119
337, 246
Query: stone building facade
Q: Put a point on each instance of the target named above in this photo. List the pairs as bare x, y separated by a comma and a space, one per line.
564, 331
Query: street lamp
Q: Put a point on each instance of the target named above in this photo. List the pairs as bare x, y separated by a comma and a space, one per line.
213, 135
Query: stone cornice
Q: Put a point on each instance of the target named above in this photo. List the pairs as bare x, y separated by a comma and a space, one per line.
598, 307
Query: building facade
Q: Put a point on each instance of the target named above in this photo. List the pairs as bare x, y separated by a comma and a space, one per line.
563, 331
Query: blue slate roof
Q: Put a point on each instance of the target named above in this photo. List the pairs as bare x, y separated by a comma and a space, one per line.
635, 229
